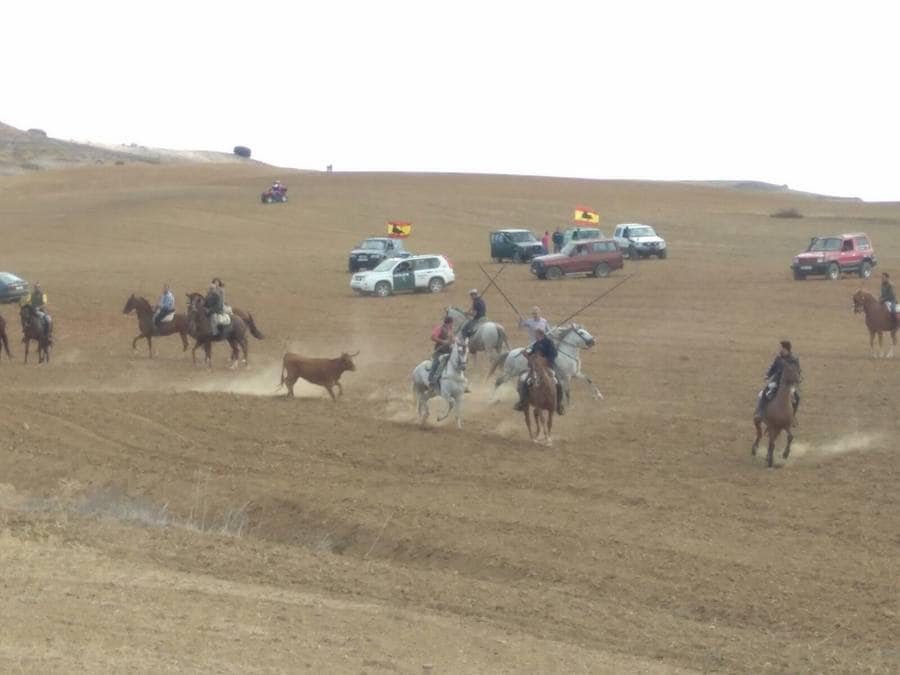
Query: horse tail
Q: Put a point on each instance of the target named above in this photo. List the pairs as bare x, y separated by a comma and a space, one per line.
254, 331
501, 333
500, 358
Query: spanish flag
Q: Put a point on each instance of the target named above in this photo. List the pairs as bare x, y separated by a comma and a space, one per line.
583, 215
399, 229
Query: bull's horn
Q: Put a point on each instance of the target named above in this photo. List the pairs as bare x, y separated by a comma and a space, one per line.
356, 353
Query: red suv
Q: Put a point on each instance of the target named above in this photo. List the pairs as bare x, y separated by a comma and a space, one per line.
836, 254
583, 256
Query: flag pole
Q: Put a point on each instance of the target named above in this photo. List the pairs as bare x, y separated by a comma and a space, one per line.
500, 290
602, 295
493, 280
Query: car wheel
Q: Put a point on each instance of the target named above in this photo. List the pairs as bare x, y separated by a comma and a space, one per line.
436, 285
554, 273
663, 254
633, 253
382, 289
834, 272
601, 270
865, 271
798, 275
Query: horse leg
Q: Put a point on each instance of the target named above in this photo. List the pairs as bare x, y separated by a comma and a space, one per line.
549, 427
459, 413
330, 392
770, 455
27, 343
450, 406
184, 340
528, 421
134, 342
787, 448
757, 422
890, 353
340, 388
150, 346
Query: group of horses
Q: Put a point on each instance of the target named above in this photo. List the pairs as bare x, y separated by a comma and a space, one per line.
196, 324
490, 337
32, 329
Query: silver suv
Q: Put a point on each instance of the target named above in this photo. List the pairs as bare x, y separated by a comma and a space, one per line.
639, 241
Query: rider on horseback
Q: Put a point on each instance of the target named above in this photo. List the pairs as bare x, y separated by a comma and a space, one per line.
442, 337
543, 346
477, 313
214, 302
888, 297
773, 377
534, 322
165, 307
36, 303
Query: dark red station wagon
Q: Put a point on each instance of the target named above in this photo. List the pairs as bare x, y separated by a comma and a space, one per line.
597, 257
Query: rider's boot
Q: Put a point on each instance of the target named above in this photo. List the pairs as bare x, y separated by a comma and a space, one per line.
523, 395
560, 405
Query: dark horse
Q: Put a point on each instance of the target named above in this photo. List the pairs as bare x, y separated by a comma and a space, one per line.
542, 397
144, 311
4, 342
878, 320
199, 329
33, 329
778, 415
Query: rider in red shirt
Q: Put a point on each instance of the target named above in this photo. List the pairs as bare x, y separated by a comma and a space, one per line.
442, 337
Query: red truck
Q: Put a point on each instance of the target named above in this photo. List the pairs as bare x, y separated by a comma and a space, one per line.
835, 255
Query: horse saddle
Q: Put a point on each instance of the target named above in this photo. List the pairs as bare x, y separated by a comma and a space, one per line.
167, 318
223, 319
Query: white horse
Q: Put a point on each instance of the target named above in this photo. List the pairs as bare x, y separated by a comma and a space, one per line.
452, 383
488, 336
569, 340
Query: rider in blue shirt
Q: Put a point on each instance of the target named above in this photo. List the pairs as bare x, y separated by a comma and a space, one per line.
165, 306
542, 346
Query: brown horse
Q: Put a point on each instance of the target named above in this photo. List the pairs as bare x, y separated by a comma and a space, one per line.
778, 415
4, 341
33, 329
144, 311
199, 329
541, 397
878, 320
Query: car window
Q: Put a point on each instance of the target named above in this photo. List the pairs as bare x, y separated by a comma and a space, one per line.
520, 237
402, 267
386, 265
602, 246
372, 245
847, 245
862, 243
569, 249
425, 263
643, 231
496, 238
825, 244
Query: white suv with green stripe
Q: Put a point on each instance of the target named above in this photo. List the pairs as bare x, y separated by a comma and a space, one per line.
432, 273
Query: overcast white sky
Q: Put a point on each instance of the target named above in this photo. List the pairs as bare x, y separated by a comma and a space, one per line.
803, 93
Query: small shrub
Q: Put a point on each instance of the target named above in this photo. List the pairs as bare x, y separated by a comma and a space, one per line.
241, 151
787, 213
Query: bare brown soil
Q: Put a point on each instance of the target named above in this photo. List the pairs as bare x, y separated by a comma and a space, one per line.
154, 516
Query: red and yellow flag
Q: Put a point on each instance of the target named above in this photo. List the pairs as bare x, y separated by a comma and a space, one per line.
585, 215
399, 229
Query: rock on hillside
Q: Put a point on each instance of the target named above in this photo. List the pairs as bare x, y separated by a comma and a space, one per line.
22, 151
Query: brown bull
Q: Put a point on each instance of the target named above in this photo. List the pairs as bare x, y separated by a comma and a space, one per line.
324, 372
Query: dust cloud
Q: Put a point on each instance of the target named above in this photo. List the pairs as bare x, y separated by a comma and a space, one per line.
856, 442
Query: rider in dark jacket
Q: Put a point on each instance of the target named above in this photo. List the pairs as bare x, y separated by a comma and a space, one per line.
773, 376
214, 302
477, 313
888, 297
542, 346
